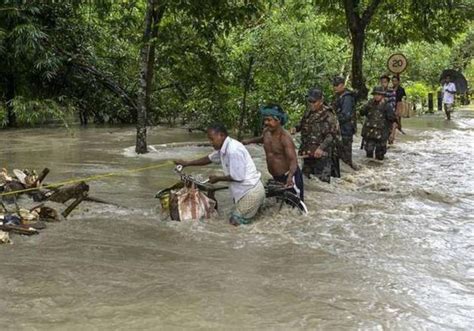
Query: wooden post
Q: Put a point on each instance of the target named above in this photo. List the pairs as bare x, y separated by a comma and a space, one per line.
430, 102
440, 101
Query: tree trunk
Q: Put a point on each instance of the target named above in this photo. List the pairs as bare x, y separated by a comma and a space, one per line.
157, 15
358, 81
357, 23
10, 94
247, 83
146, 67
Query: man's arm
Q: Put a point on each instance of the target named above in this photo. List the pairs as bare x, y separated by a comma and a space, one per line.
237, 172
199, 162
403, 93
290, 154
255, 140
452, 90
326, 142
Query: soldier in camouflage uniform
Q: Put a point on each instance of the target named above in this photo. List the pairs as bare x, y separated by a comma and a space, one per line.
379, 119
319, 132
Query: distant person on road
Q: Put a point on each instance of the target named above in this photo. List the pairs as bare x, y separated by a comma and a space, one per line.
390, 97
399, 96
449, 90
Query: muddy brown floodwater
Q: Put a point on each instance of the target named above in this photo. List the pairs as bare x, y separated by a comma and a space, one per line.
388, 247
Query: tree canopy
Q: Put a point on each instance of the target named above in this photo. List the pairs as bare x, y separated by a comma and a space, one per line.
213, 60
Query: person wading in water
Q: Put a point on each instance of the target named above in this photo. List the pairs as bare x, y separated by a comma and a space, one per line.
239, 169
344, 105
280, 150
319, 134
379, 119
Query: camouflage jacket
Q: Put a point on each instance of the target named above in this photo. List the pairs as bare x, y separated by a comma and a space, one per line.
379, 118
319, 129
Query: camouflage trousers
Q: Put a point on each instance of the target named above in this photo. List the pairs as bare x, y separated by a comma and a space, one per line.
376, 145
345, 150
320, 168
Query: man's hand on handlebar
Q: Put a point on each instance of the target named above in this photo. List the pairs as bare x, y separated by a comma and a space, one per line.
214, 179
181, 163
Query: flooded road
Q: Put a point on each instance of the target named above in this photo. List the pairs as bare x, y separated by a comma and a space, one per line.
388, 247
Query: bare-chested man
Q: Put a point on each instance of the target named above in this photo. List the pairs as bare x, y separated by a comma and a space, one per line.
280, 150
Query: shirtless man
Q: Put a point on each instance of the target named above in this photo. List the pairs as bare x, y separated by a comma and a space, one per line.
280, 150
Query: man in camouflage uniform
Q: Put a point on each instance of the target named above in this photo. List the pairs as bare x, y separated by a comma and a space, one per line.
379, 119
319, 132
344, 105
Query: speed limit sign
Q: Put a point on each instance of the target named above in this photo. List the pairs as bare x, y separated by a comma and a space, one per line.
397, 63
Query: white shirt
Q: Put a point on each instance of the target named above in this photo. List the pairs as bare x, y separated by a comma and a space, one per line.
237, 162
448, 97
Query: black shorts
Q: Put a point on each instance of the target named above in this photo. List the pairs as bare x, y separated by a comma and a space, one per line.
298, 188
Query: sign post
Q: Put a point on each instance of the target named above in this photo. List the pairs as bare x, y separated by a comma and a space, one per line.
397, 63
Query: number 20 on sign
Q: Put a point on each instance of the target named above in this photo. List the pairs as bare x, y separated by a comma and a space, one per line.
397, 63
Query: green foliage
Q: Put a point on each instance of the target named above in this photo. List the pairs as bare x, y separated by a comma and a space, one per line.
215, 60
425, 61
463, 50
417, 92
469, 73
3, 115
291, 55
402, 21
32, 112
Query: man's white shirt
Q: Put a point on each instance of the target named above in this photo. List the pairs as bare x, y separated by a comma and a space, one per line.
448, 97
237, 162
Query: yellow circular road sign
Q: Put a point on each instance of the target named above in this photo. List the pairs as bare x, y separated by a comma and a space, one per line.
397, 63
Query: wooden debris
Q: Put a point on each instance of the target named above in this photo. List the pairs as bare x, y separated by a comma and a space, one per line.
20, 229
28, 221
66, 193
73, 205
4, 237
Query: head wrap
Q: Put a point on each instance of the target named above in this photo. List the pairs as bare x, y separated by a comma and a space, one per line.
276, 112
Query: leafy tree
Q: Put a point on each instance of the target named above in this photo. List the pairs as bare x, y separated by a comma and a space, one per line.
208, 18
395, 22
202, 61
289, 53
47, 52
